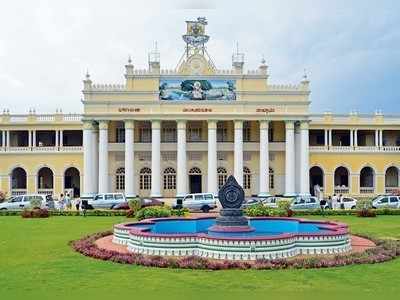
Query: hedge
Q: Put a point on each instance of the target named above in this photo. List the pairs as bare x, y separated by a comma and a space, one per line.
119, 213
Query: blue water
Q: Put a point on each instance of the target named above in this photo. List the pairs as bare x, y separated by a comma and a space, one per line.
261, 227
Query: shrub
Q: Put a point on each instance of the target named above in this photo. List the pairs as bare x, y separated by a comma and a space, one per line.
385, 250
258, 210
135, 204
364, 204
130, 213
182, 212
35, 213
366, 213
153, 212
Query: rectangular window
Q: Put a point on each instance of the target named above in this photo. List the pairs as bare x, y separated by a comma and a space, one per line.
120, 135
145, 135
246, 132
222, 134
169, 134
194, 134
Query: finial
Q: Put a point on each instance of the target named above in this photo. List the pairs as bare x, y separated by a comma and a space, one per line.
155, 46
129, 59
305, 74
237, 47
263, 61
87, 74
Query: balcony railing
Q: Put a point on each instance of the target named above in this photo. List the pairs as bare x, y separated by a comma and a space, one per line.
367, 190
46, 149
18, 192
391, 189
368, 149
341, 190
45, 191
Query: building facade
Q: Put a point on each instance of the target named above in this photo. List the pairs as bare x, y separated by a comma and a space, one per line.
165, 133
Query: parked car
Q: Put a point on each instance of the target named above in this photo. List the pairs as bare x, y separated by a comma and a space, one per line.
197, 202
349, 203
306, 202
106, 200
24, 201
144, 203
386, 201
251, 202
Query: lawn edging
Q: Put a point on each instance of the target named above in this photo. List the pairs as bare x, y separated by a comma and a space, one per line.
385, 250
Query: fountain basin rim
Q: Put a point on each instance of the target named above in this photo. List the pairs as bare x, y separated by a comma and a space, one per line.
333, 228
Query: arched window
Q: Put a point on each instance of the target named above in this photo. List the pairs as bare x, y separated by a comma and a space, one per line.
145, 179
195, 171
246, 178
169, 179
222, 175
271, 178
367, 178
392, 177
120, 179
18, 179
45, 178
341, 180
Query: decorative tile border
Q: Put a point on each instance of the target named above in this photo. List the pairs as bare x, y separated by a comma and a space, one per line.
142, 241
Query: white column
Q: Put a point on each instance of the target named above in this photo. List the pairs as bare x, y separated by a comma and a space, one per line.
103, 157
376, 138
8, 138
289, 159
30, 138
61, 142
3, 138
130, 159
181, 178
34, 138
264, 160
326, 137
57, 140
381, 138
351, 137
238, 152
95, 157
304, 159
155, 159
212, 180
330, 137
88, 160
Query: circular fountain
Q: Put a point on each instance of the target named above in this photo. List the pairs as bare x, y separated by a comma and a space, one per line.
231, 235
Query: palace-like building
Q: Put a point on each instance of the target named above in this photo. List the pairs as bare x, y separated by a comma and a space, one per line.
164, 133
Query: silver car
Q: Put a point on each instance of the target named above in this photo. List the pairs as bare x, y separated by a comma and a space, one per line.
386, 201
106, 200
24, 201
197, 202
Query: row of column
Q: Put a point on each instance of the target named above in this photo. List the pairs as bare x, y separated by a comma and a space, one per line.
96, 158
32, 138
354, 137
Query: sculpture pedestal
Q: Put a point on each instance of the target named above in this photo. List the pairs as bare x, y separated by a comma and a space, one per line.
231, 220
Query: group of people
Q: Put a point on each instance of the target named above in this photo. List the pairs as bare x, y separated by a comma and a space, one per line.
65, 202
334, 202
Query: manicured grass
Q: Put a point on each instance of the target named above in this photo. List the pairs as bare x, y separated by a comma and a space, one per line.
36, 262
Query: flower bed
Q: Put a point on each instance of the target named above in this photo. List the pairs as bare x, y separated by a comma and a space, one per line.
385, 250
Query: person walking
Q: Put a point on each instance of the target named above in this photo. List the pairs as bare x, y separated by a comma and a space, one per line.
341, 201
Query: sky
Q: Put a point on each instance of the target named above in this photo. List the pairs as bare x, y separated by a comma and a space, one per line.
349, 49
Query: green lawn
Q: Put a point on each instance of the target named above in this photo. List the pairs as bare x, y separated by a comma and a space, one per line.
36, 262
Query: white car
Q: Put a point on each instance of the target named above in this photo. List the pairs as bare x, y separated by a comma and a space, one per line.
24, 201
106, 200
202, 201
386, 201
349, 203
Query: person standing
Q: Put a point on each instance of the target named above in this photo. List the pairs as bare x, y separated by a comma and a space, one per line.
68, 203
334, 201
341, 201
330, 202
77, 203
61, 202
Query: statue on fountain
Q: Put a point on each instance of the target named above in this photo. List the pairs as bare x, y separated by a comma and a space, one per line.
231, 218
